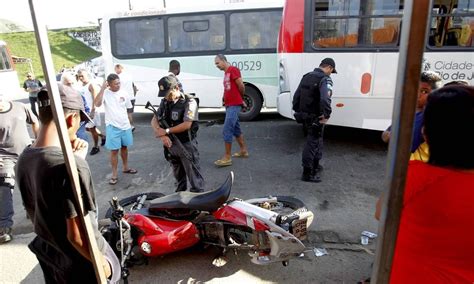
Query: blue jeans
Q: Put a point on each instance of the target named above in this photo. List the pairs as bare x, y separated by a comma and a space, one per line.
231, 123
33, 105
81, 132
7, 183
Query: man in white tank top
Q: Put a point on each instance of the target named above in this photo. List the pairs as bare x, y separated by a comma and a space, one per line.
88, 90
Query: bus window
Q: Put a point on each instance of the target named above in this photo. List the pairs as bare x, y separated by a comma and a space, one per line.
196, 26
360, 23
254, 30
137, 36
196, 33
452, 24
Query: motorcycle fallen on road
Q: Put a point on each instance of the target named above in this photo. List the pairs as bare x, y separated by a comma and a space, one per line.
270, 229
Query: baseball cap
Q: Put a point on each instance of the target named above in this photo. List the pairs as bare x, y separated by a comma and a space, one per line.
166, 84
70, 98
329, 61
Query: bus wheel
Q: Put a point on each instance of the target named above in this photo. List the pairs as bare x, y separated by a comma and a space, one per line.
254, 104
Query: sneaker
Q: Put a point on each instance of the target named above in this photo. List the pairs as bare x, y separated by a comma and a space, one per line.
5, 235
95, 150
102, 140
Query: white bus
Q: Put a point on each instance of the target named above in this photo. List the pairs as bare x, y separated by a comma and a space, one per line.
145, 42
9, 85
363, 38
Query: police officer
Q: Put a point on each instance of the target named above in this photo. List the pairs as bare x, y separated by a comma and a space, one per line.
312, 106
14, 138
176, 126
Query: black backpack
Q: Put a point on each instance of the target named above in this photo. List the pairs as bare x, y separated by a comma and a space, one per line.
306, 101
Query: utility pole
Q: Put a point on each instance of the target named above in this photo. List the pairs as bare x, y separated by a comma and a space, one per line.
412, 45
164, 4
42, 41
130, 5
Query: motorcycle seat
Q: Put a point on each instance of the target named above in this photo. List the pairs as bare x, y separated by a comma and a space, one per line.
208, 201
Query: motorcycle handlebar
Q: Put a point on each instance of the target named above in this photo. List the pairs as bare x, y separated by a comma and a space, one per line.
115, 203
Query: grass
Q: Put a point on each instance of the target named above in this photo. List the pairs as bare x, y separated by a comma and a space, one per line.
65, 51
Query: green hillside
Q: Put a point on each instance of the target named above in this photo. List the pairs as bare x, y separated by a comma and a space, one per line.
65, 50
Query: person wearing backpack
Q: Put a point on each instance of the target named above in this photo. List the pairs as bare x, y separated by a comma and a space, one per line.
176, 124
312, 106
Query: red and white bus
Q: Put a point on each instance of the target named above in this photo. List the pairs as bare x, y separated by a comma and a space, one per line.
363, 37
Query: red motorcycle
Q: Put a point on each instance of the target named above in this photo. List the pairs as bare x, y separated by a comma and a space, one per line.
269, 228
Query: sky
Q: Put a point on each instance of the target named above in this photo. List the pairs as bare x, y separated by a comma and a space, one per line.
68, 13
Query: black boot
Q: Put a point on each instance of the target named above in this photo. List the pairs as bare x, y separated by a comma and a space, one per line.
317, 168
308, 177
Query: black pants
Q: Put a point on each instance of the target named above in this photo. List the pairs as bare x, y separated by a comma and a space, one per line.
313, 150
185, 170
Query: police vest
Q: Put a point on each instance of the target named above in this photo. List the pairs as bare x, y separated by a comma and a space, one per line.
307, 97
174, 115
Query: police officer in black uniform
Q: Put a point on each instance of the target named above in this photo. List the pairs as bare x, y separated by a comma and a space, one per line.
312, 106
176, 126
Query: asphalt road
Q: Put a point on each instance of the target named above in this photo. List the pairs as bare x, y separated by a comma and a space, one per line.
343, 203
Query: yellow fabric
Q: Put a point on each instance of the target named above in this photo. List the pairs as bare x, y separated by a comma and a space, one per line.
466, 36
421, 154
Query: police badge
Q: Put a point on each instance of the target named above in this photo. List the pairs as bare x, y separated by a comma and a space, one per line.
174, 115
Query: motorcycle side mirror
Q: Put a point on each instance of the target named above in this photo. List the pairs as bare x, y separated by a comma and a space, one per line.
117, 210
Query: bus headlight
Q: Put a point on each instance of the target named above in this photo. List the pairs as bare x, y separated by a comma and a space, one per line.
283, 84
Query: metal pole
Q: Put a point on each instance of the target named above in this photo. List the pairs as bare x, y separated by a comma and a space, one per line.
412, 44
164, 4
48, 69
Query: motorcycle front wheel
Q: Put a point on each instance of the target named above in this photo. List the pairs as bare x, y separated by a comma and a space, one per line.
128, 202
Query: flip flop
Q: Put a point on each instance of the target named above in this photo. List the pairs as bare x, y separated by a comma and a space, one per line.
113, 180
223, 163
130, 171
241, 155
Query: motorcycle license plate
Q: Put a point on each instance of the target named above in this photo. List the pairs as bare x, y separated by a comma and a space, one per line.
299, 229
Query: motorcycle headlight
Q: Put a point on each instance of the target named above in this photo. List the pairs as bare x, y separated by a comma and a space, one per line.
146, 247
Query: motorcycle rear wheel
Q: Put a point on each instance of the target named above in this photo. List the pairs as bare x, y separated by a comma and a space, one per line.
284, 205
127, 201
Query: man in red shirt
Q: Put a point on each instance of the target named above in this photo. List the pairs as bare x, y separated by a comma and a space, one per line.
234, 90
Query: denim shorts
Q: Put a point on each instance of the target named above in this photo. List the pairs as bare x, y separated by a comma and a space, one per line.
231, 123
117, 138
